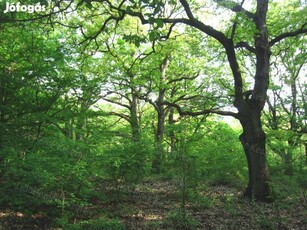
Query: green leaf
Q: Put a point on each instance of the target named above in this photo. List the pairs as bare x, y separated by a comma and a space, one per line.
152, 35
159, 23
151, 20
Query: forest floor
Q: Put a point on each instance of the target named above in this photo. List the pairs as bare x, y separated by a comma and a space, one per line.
157, 204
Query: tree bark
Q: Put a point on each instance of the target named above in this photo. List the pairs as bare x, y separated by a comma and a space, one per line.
253, 137
2, 171
161, 113
69, 129
253, 141
159, 150
171, 134
81, 125
134, 118
306, 151
288, 164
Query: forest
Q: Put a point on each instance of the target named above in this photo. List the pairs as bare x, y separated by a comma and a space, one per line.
153, 114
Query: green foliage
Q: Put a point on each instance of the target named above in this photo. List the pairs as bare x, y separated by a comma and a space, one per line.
265, 222
199, 201
55, 178
135, 39
179, 219
220, 156
97, 224
125, 163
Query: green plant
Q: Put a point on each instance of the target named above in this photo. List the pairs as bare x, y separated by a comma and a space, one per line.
103, 223
199, 201
124, 164
97, 224
265, 222
179, 219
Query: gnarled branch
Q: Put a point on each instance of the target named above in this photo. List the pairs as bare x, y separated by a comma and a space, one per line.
202, 112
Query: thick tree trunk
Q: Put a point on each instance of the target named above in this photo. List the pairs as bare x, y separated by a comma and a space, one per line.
249, 190
253, 141
253, 137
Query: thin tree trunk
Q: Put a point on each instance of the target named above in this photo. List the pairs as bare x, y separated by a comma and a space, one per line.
134, 119
69, 129
288, 158
159, 150
288, 163
172, 136
81, 122
2, 159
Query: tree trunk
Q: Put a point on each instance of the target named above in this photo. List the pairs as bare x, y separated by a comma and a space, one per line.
171, 134
253, 141
159, 151
134, 118
82, 121
69, 128
288, 163
2, 172
288, 158
253, 137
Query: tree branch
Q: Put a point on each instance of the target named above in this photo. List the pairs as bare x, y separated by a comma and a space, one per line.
184, 78
193, 22
199, 113
246, 46
123, 116
117, 103
169, 32
187, 9
184, 98
146, 99
282, 36
235, 7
